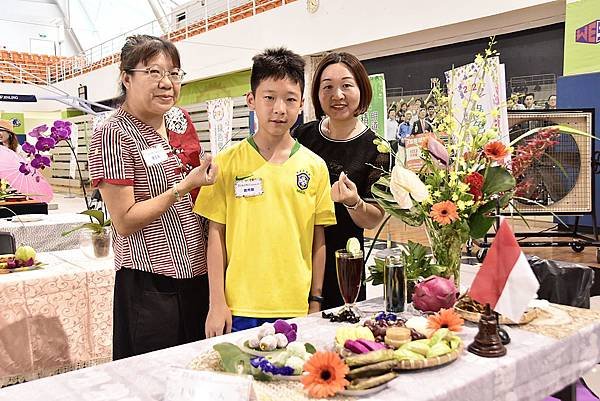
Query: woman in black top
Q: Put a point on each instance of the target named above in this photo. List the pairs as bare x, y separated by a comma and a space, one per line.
341, 91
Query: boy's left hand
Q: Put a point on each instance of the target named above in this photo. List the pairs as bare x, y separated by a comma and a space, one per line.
314, 306
344, 191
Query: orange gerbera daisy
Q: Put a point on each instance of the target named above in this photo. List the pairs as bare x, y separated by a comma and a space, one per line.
496, 151
445, 318
444, 212
326, 374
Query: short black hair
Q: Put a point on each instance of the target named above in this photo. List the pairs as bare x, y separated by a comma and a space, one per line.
530, 94
278, 63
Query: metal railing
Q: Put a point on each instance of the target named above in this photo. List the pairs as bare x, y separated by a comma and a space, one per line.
182, 23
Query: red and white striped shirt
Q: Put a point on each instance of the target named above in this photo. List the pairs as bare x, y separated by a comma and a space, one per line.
174, 244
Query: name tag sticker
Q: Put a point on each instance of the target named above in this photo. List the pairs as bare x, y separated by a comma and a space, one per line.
154, 155
248, 188
193, 385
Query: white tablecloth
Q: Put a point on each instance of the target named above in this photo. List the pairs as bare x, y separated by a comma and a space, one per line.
536, 366
45, 235
57, 318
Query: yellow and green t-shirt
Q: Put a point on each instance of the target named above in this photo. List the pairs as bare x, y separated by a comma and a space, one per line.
269, 234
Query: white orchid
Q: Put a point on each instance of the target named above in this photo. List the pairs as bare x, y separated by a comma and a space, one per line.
406, 184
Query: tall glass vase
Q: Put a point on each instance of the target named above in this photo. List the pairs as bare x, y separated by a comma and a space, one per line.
446, 245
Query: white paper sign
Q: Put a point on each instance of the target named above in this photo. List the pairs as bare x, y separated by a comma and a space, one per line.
193, 385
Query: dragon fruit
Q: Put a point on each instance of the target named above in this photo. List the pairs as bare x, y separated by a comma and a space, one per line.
434, 294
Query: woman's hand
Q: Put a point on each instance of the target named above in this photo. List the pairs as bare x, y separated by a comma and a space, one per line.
203, 175
344, 191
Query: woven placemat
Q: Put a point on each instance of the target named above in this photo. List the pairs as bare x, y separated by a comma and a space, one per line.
275, 390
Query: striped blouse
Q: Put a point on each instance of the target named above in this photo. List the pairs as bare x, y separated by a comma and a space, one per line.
174, 244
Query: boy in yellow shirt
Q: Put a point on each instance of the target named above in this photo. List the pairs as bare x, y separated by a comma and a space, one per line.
267, 210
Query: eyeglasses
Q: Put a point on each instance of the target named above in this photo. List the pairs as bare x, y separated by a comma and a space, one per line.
157, 73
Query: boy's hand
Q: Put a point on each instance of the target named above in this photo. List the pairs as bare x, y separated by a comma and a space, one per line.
314, 306
344, 191
218, 321
203, 175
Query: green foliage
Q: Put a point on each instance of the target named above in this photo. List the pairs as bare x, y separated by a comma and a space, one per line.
416, 259
497, 180
97, 227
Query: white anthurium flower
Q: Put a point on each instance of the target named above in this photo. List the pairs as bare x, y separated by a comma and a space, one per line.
405, 184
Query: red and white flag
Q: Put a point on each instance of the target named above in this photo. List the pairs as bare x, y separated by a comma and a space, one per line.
505, 279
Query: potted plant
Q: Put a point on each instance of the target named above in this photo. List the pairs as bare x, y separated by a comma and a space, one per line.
99, 232
418, 264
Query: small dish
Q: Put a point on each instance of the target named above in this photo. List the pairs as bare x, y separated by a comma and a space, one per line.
37, 265
360, 393
292, 378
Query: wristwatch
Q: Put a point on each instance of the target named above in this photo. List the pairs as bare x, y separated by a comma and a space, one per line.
316, 298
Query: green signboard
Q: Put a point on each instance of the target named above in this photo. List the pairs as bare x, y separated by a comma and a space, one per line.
376, 114
18, 120
582, 37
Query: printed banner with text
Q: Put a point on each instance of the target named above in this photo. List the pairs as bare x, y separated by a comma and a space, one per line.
220, 121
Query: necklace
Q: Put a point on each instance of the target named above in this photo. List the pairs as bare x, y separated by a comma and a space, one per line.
350, 133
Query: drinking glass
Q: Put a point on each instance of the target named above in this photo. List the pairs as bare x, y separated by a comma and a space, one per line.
349, 268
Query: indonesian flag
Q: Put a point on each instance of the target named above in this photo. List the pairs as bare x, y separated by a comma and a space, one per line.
505, 279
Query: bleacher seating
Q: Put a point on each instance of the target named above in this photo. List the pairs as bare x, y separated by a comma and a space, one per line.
16, 66
43, 68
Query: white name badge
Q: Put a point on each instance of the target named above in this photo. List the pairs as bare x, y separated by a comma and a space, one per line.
249, 187
154, 155
193, 385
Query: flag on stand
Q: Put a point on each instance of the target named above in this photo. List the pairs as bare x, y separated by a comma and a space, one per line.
505, 279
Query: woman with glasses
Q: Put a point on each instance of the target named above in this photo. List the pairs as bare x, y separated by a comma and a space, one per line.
145, 159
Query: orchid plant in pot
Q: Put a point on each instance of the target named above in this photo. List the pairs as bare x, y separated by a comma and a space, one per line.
47, 138
97, 232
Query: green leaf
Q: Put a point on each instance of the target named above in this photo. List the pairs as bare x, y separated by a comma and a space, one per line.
497, 179
384, 180
233, 359
378, 193
94, 227
310, 348
96, 214
480, 225
487, 207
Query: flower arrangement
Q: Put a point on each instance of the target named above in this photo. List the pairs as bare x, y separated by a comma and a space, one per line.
465, 173
467, 169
